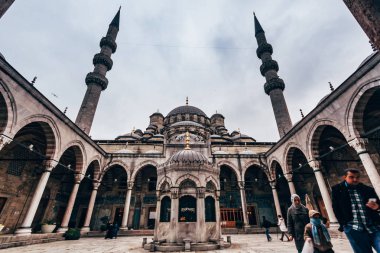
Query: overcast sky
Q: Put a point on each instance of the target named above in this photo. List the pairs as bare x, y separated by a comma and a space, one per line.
170, 49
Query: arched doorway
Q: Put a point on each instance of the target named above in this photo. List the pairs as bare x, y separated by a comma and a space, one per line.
144, 199
21, 165
231, 212
258, 195
110, 200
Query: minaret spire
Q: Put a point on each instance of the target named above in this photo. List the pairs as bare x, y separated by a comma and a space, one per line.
274, 85
96, 81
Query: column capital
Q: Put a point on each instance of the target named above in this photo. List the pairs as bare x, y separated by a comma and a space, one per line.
201, 192
217, 195
130, 185
95, 185
174, 192
289, 176
241, 185
359, 144
273, 184
49, 164
78, 177
315, 165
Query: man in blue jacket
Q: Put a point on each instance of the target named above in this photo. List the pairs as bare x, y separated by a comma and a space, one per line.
356, 207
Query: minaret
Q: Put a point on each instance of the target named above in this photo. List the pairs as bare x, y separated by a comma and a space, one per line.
274, 85
96, 81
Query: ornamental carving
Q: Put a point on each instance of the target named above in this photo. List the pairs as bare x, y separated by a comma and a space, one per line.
103, 59
174, 192
264, 48
95, 78
268, 65
201, 192
359, 144
273, 184
109, 42
130, 185
49, 165
289, 177
274, 83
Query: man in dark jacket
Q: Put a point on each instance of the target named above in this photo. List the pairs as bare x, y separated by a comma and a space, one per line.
356, 207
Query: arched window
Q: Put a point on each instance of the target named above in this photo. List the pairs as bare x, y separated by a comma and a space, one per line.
187, 209
210, 209
165, 209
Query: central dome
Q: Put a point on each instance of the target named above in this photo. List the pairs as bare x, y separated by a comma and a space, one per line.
186, 109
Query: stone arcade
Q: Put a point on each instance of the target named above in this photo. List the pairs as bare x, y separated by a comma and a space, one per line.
185, 179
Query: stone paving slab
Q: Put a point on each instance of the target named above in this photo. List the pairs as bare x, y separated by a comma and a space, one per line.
240, 244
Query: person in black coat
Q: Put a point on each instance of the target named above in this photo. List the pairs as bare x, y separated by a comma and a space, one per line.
266, 224
356, 206
298, 217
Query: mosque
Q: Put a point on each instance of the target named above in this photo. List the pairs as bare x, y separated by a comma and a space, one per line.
185, 178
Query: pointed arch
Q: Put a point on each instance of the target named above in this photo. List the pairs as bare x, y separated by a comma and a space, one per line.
355, 109
114, 163
163, 181
231, 166
213, 180
315, 132
190, 177
80, 155
51, 131
288, 155
142, 165
8, 118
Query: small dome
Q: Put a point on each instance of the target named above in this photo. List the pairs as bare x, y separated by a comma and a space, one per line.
157, 114
186, 109
217, 115
188, 156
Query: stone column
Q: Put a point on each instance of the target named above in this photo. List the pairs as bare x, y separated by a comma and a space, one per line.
127, 204
367, 13
243, 204
217, 210
27, 222
158, 214
86, 226
360, 145
275, 197
70, 204
172, 235
201, 220
289, 178
324, 191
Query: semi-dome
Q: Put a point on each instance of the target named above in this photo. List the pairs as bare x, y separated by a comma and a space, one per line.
186, 109
187, 156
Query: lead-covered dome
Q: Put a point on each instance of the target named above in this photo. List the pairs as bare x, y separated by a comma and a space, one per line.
186, 109
187, 156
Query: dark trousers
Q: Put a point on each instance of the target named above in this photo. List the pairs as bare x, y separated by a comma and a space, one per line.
362, 241
284, 234
299, 244
267, 234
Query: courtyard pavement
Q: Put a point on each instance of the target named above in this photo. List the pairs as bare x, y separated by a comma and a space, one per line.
240, 243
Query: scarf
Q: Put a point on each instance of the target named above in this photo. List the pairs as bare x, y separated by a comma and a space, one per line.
315, 224
299, 209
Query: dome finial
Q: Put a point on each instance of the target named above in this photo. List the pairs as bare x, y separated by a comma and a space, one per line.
187, 140
187, 100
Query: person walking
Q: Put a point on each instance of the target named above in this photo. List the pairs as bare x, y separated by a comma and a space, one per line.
266, 224
317, 233
356, 206
298, 217
284, 230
